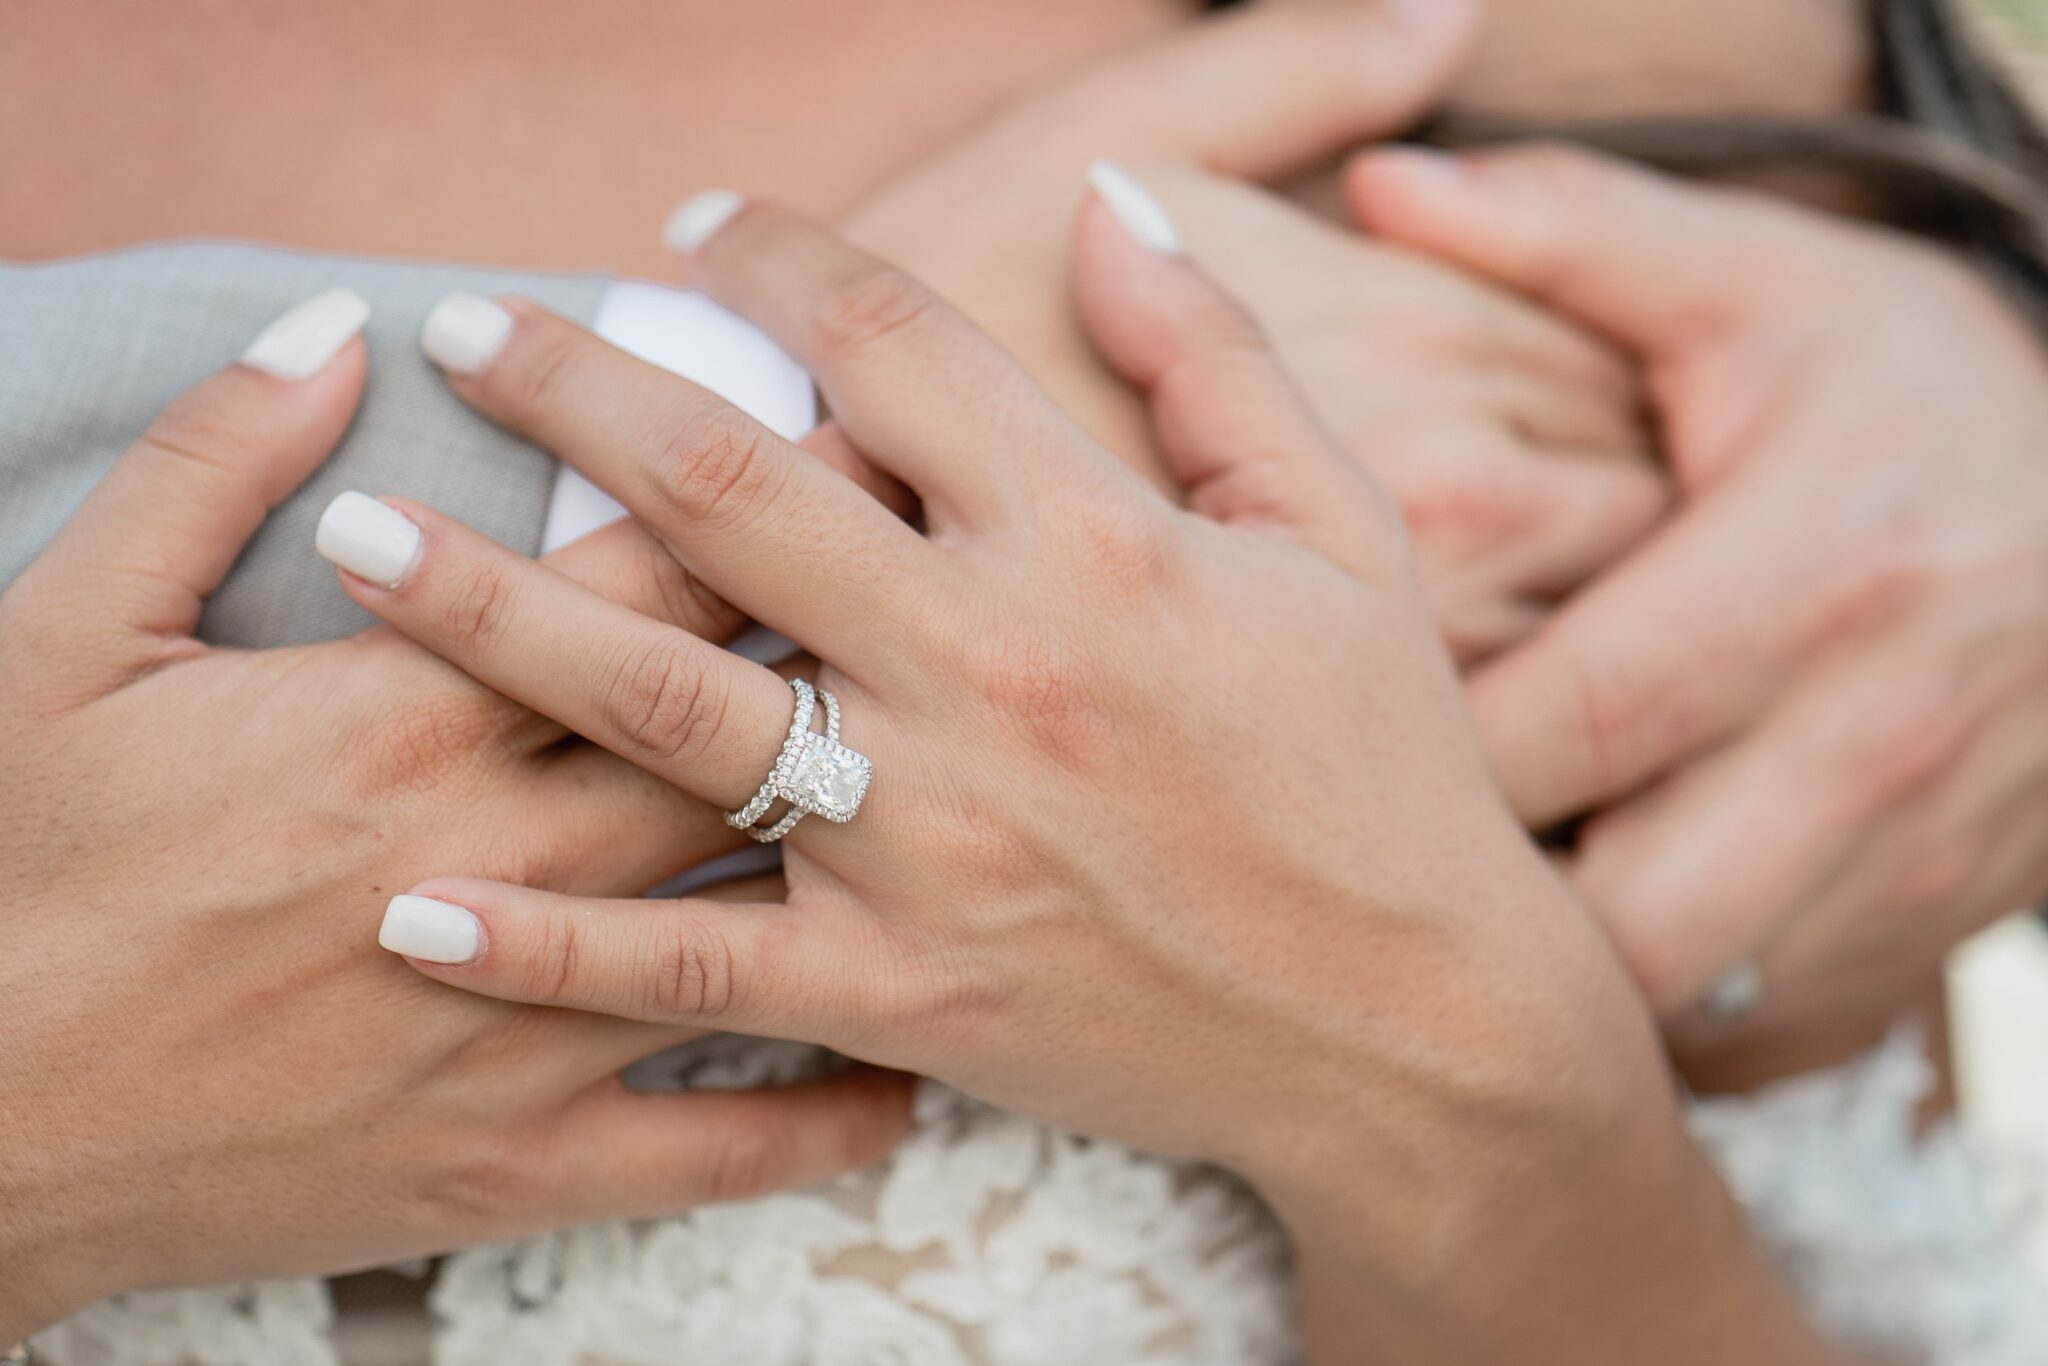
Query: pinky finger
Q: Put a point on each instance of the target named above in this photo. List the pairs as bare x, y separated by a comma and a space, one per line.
760, 969
627, 1155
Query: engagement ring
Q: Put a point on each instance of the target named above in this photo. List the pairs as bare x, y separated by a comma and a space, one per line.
814, 773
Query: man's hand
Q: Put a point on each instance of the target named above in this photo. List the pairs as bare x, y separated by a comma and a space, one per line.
1257, 93
1512, 440
1811, 715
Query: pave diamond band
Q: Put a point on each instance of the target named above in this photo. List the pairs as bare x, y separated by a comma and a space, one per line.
814, 773
799, 727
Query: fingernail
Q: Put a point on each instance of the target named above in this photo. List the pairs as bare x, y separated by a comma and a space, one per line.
464, 333
697, 217
437, 931
1135, 208
299, 344
368, 539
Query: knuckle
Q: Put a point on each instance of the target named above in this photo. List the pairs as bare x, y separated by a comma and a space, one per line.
869, 305
1122, 547
1907, 748
197, 431
478, 604
1610, 710
693, 973
426, 741
741, 1162
554, 960
1036, 679
543, 379
489, 1183
713, 467
1456, 507
525, 857
665, 701
1872, 590
942, 994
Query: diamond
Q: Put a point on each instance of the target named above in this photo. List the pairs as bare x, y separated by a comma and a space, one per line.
829, 779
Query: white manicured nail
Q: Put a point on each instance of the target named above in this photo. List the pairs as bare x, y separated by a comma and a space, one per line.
464, 333
697, 217
1135, 208
437, 931
368, 539
299, 344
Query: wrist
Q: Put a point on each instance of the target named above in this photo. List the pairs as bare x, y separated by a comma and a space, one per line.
1506, 1176
31, 1298
1520, 1052
1620, 1247
47, 1271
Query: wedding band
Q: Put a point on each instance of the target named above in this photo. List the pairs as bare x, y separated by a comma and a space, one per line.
814, 773
1735, 993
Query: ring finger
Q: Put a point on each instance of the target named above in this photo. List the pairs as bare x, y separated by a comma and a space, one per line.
698, 716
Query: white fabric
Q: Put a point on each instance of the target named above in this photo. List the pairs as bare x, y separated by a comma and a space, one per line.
1884, 1231
989, 1240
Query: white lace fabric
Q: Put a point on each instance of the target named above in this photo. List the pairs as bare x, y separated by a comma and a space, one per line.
989, 1240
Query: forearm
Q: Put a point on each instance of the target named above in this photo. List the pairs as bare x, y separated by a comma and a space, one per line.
30, 1298
46, 1246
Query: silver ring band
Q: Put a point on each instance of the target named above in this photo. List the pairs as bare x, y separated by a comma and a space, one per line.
1735, 993
799, 727
814, 773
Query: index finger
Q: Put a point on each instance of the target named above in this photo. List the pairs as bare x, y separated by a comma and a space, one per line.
918, 388
771, 528
1671, 652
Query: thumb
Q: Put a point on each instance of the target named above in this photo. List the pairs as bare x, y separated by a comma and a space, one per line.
1264, 90
1650, 261
1227, 418
126, 577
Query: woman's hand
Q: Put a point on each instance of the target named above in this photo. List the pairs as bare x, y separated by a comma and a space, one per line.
1812, 712
208, 1070
1512, 441
1177, 828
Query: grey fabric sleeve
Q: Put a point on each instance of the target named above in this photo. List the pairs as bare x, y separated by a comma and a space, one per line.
91, 348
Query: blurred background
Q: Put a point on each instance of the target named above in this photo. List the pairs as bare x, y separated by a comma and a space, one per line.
1999, 983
